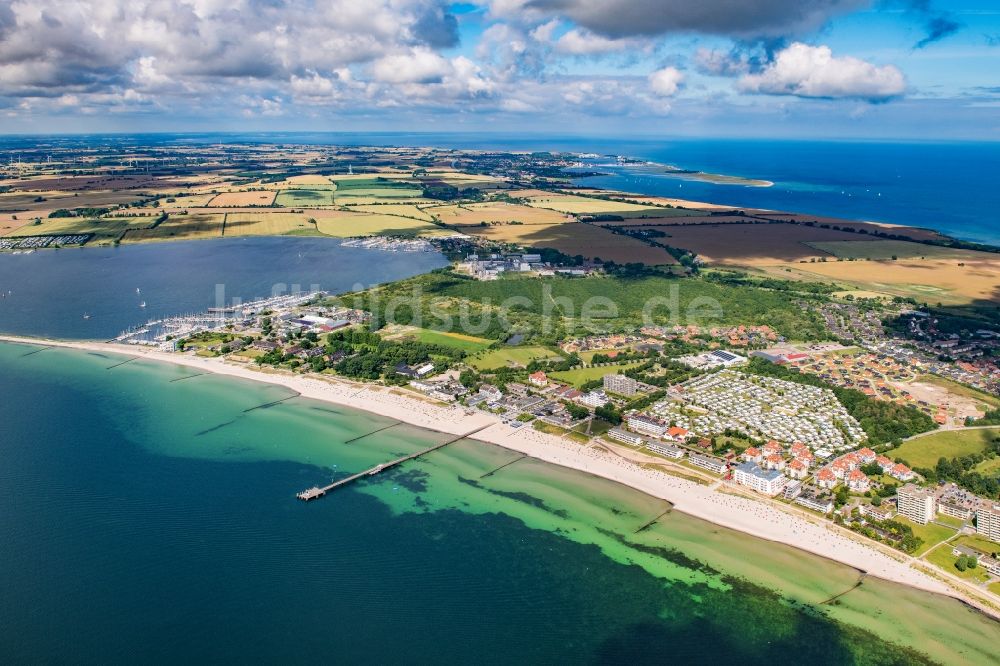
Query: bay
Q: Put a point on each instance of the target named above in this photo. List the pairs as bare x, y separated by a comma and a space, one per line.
155, 521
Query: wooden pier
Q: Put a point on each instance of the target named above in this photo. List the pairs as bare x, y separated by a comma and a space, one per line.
317, 492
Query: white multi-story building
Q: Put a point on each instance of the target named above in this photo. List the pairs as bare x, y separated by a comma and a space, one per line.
626, 436
621, 385
915, 503
988, 521
646, 424
594, 399
769, 482
667, 450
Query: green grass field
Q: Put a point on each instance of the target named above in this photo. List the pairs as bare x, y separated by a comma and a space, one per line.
942, 558
466, 343
931, 534
925, 451
499, 358
581, 376
304, 197
989, 467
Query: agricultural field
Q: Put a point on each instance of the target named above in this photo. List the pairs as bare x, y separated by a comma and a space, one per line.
179, 227
50, 201
104, 229
925, 451
671, 217
976, 277
496, 212
300, 198
882, 249
580, 376
402, 210
238, 199
187, 201
509, 356
343, 224
750, 244
268, 224
577, 205
576, 238
375, 188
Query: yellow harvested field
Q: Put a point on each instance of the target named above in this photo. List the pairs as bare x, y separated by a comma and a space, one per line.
103, 228
236, 199
179, 227
750, 244
568, 203
403, 210
187, 201
496, 212
885, 249
346, 224
948, 281
577, 238
267, 224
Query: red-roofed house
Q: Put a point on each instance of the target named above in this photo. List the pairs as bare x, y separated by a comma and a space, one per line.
677, 433
754, 454
866, 455
902, 472
885, 463
774, 461
773, 447
825, 478
858, 482
797, 469
538, 378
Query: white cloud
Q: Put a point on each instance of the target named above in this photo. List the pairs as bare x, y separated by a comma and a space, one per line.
417, 66
583, 42
812, 71
666, 82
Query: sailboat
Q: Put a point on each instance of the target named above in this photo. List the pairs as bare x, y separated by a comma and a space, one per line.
86, 315
143, 304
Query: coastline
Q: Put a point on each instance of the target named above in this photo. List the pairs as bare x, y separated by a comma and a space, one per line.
726, 509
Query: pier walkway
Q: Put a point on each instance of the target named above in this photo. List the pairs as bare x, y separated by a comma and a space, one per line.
317, 492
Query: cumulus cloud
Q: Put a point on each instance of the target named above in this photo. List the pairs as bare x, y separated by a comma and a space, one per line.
417, 66
584, 42
813, 71
94, 45
623, 18
666, 82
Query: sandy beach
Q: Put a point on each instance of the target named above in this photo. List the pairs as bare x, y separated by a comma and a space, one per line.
744, 514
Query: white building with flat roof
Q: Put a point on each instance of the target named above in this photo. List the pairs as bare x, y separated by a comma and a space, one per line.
770, 482
621, 385
988, 521
916, 503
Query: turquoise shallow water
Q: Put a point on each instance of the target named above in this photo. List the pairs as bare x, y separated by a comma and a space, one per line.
155, 521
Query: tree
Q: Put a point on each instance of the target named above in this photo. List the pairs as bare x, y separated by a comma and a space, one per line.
961, 563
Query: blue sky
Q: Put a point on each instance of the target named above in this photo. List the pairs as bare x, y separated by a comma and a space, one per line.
778, 68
